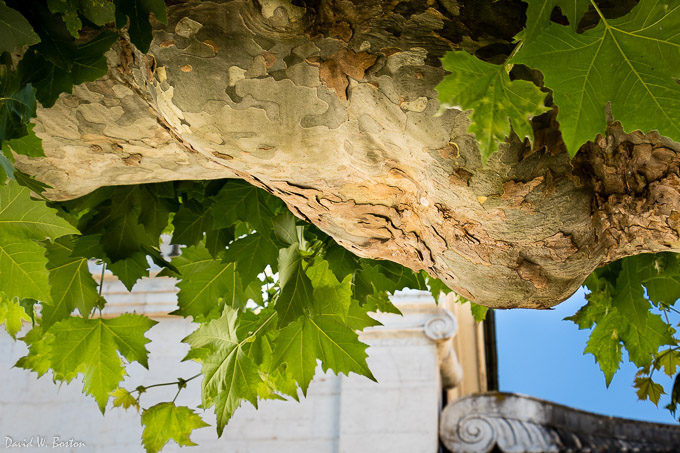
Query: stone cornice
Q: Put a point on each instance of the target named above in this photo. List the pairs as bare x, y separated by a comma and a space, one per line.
517, 423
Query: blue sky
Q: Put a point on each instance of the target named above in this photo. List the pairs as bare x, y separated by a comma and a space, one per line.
541, 355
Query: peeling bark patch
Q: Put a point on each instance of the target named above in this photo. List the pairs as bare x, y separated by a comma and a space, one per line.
220, 155
561, 246
133, 159
532, 273
515, 192
334, 71
186, 68
341, 31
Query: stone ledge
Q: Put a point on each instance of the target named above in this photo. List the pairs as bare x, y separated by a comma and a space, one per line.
508, 422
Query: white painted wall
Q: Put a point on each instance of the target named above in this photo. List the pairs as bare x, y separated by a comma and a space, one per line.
341, 414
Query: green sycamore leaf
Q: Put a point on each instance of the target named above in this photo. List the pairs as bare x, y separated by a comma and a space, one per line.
15, 30
22, 268
478, 311
22, 216
22, 261
206, 285
123, 398
284, 228
86, 64
190, 225
252, 254
94, 345
358, 318
294, 346
229, 374
130, 269
497, 102
55, 81
642, 332
341, 261
216, 241
599, 304
12, 315
164, 422
39, 347
629, 63
123, 236
296, 288
669, 360
376, 279
69, 11
436, 287
605, 345
239, 201
97, 11
56, 43
71, 283
90, 63
16, 110
302, 342
29, 145
330, 296
643, 343
538, 15
664, 286
648, 389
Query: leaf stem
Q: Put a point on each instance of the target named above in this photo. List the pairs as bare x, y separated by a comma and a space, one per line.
599, 13
101, 280
177, 382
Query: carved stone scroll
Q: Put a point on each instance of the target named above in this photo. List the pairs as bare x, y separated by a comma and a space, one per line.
519, 424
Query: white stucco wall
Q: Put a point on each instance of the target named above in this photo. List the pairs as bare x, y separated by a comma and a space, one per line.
341, 414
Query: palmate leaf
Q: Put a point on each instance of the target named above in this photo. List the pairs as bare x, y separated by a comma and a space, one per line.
538, 15
22, 261
229, 374
630, 63
39, 346
98, 12
12, 315
301, 343
669, 360
16, 110
92, 346
330, 295
29, 145
605, 345
296, 288
252, 254
21, 216
71, 283
190, 225
123, 398
206, 285
239, 201
22, 268
497, 102
165, 422
618, 306
648, 389
130, 269
15, 30
86, 64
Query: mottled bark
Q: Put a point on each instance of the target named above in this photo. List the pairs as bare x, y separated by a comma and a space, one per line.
335, 111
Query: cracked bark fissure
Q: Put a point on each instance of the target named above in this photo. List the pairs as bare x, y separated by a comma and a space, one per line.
335, 112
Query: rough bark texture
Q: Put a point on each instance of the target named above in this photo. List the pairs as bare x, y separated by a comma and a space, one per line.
333, 109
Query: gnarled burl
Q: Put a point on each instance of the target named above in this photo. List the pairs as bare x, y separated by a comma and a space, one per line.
333, 109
